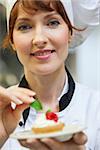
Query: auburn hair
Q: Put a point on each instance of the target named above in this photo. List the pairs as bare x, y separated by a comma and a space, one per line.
30, 6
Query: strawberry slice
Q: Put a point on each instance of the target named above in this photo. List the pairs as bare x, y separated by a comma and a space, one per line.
51, 116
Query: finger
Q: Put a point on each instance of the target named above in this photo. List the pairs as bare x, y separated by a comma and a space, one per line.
26, 91
14, 96
21, 89
3, 94
18, 96
34, 144
6, 97
80, 138
20, 108
25, 144
52, 144
10, 115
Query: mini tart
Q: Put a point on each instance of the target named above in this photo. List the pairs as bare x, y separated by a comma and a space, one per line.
48, 129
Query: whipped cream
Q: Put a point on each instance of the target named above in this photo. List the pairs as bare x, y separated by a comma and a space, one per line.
41, 121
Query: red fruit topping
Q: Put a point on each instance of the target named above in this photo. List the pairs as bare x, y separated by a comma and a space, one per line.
51, 116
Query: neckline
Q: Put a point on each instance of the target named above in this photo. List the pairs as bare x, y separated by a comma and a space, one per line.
64, 100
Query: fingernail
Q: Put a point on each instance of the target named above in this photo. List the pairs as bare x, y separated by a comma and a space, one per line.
32, 99
18, 101
29, 140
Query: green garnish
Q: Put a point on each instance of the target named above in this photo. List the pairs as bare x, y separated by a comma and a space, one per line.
36, 105
49, 110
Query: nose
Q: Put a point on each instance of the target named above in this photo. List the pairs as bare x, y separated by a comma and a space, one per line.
39, 43
39, 38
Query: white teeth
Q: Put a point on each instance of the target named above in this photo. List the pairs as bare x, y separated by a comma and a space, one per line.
42, 53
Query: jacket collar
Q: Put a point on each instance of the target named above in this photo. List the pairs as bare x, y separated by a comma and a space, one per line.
64, 101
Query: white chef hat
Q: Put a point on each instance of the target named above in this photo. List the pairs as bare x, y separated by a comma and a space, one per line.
82, 14
66, 3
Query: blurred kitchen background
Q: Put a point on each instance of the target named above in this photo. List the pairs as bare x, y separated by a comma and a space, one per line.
83, 62
10, 68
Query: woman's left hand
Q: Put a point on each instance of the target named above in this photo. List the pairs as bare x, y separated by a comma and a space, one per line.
76, 143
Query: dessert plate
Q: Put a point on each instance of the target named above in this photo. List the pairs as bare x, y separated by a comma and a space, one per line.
63, 135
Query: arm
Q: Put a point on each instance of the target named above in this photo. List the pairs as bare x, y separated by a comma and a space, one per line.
9, 117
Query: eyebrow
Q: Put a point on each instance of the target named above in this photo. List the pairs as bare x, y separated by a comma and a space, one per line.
28, 19
22, 19
51, 14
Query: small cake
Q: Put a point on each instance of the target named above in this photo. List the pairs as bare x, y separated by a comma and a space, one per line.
46, 123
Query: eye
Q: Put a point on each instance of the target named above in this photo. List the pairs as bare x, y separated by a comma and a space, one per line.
24, 27
53, 23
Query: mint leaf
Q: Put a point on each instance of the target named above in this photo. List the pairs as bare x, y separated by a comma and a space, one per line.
36, 105
49, 110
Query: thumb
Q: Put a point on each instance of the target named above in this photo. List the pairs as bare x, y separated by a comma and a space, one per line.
80, 138
12, 116
19, 109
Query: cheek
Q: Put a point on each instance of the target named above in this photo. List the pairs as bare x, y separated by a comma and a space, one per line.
59, 37
62, 35
62, 42
21, 43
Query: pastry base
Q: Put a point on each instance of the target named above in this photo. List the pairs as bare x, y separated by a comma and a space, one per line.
48, 129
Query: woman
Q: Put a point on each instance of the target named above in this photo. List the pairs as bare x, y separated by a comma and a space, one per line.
40, 33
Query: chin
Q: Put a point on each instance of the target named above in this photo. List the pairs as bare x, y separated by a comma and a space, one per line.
45, 70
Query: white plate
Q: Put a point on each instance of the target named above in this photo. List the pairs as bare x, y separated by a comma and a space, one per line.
63, 135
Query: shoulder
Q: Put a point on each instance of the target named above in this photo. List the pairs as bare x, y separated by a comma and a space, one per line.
87, 93
86, 89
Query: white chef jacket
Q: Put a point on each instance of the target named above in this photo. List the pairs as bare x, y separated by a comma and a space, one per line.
84, 108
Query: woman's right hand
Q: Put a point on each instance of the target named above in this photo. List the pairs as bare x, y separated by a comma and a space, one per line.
76, 143
10, 117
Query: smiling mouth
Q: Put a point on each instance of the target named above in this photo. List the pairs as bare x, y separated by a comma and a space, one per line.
42, 53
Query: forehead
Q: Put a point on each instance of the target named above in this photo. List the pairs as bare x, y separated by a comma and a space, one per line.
32, 12
31, 7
